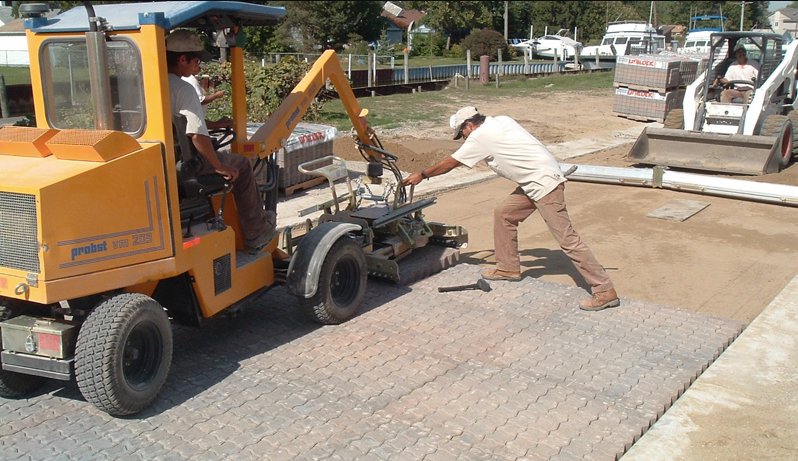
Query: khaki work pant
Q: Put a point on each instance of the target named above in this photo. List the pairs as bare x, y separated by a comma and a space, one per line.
517, 207
727, 96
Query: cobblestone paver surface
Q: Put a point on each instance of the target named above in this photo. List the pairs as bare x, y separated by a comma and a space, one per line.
516, 373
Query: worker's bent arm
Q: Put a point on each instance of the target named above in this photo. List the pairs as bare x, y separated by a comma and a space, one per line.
444, 166
205, 148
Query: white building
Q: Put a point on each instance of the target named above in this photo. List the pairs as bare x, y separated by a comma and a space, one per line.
785, 21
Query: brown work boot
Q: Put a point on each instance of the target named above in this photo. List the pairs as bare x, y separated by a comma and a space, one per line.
256, 245
600, 301
496, 274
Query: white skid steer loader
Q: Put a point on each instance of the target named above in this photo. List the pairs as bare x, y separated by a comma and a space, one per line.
753, 136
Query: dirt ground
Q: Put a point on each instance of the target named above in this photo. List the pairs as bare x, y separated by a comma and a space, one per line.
730, 259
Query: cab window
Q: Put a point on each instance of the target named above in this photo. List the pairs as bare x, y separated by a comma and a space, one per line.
68, 93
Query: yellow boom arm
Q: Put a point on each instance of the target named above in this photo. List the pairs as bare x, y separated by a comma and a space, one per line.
275, 132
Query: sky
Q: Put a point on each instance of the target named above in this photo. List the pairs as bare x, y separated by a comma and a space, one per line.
775, 6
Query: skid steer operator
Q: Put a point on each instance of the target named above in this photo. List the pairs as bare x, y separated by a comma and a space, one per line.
743, 69
183, 51
515, 154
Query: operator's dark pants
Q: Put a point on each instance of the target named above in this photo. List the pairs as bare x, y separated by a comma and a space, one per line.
251, 212
517, 207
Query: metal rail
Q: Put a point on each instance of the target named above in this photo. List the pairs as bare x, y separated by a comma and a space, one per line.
659, 177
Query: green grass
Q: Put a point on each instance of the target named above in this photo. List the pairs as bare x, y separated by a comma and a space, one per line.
387, 112
15, 75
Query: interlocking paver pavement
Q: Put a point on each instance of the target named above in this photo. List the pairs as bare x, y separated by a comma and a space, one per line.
517, 373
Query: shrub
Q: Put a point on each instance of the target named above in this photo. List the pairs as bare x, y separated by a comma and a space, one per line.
485, 42
455, 51
266, 88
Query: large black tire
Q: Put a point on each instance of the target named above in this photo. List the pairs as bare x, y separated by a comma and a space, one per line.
123, 354
14, 385
674, 119
780, 125
342, 284
793, 116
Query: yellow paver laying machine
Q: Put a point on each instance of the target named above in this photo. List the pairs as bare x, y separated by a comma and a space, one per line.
105, 235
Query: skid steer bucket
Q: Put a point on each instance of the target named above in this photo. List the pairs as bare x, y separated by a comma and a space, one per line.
726, 153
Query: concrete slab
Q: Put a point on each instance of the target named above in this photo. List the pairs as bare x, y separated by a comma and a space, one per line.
517, 373
678, 210
745, 405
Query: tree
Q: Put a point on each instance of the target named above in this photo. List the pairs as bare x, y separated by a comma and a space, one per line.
485, 42
455, 19
330, 24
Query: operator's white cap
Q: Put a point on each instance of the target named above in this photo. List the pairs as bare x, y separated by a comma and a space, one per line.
186, 41
456, 121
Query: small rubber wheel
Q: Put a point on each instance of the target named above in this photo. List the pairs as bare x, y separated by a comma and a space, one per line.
123, 354
342, 284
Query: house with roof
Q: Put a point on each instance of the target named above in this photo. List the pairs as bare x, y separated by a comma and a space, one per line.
401, 21
785, 21
13, 42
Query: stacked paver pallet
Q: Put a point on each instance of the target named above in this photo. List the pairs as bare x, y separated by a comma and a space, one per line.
648, 86
307, 142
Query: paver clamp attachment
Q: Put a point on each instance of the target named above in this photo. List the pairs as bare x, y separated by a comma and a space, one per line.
730, 153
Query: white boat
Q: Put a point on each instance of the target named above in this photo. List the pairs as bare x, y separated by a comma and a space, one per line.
701, 27
624, 38
548, 45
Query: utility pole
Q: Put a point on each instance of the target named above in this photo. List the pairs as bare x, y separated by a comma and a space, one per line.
506, 19
742, 13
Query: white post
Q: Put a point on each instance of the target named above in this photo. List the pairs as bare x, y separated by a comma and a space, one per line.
407, 67
349, 68
501, 68
468, 68
526, 61
368, 70
375, 67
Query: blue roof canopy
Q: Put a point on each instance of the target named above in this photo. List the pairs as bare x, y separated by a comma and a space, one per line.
168, 15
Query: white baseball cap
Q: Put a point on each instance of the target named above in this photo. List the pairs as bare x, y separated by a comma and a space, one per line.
456, 121
186, 41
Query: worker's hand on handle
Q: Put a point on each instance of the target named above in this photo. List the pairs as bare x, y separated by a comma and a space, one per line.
412, 180
229, 173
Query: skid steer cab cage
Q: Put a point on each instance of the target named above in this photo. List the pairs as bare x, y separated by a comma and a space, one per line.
752, 136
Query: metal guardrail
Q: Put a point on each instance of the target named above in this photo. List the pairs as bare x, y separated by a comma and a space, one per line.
416, 74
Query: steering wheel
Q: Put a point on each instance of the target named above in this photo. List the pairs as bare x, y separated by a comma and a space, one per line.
731, 83
222, 137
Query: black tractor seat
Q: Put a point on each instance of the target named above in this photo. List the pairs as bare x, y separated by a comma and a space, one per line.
194, 191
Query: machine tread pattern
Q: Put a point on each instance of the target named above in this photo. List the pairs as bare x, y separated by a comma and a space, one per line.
342, 284
773, 125
100, 353
674, 120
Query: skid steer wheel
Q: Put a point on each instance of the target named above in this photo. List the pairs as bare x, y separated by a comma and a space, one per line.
14, 385
123, 354
342, 284
780, 125
674, 120
793, 116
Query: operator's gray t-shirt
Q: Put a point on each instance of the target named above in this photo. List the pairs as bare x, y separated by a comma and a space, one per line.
513, 153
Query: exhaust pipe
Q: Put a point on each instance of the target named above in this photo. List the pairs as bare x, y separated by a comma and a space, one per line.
99, 77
